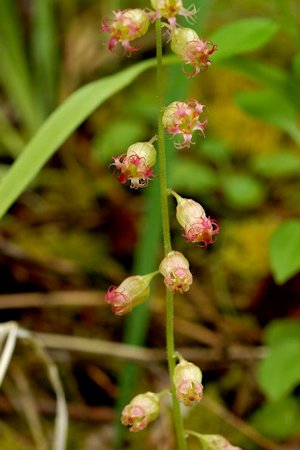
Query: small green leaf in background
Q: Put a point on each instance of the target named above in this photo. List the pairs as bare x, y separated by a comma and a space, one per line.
296, 65
277, 165
117, 137
243, 191
272, 107
279, 419
242, 36
279, 373
216, 151
193, 178
284, 251
282, 330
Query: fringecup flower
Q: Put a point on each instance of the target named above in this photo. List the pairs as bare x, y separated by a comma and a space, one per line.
169, 9
195, 51
142, 410
187, 380
175, 269
127, 25
136, 165
132, 291
182, 118
197, 228
216, 442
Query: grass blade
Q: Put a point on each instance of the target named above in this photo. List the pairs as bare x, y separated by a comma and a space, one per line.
60, 124
14, 73
45, 53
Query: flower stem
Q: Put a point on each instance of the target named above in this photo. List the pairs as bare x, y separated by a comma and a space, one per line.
167, 239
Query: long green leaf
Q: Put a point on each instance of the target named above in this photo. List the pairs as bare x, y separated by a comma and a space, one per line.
64, 120
272, 107
45, 52
242, 36
14, 74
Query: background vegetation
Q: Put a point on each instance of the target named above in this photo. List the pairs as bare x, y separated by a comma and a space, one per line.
71, 230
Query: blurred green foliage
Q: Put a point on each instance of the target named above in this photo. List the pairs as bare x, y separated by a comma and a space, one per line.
245, 173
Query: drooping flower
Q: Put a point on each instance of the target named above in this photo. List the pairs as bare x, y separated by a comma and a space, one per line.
169, 9
195, 51
143, 409
136, 165
216, 442
132, 291
126, 26
187, 379
175, 269
197, 228
182, 118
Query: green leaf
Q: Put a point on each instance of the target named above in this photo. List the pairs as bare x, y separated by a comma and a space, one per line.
117, 137
243, 191
279, 419
14, 74
277, 165
45, 52
279, 373
282, 330
284, 251
215, 151
60, 124
272, 107
191, 177
242, 36
296, 65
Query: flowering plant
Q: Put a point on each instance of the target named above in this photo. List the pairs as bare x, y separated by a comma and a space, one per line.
180, 119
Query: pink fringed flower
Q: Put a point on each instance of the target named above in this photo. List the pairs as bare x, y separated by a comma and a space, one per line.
194, 51
142, 410
175, 269
136, 165
216, 442
197, 227
182, 119
132, 291
169, 9
188, 383
127, 25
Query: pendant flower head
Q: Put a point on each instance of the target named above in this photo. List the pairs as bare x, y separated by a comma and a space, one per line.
196, 52
136, 165
197, 228
127, 25
175, 269
142, 409
216, 442
188, 383
132, 291
169, 9
181, 118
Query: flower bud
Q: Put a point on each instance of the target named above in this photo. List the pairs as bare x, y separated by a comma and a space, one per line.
142, 409
144, 150
170, 8
136, 165
181, 118
175, 268
186, 43
197, 228
127, 25
132, 291
216, 442
187, 379
180, 37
